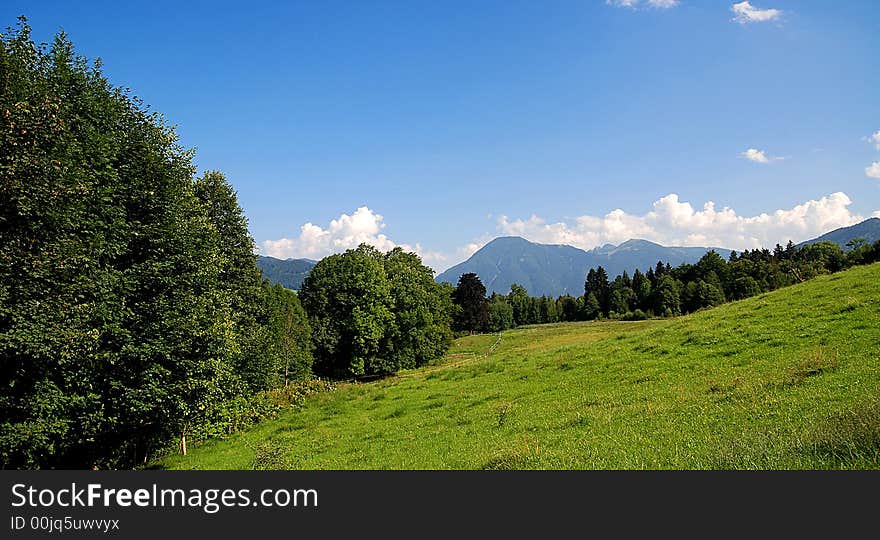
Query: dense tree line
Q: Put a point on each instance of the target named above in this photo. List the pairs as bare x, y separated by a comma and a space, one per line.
662, 290
132, 313
667, 291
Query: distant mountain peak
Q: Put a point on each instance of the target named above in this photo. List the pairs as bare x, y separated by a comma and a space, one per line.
633, 243
554, 270
501, 240
604, 248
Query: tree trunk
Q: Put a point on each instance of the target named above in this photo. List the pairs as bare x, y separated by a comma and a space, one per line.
183, 443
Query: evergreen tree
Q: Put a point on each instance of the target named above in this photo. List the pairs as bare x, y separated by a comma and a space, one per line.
533, 314
548, 310
625, 280
667, 296
597, 284
470, 297
659, 270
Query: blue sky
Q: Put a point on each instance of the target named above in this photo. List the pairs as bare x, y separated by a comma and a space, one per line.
439, 125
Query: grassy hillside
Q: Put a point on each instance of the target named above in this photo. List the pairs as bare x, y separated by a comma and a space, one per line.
789, 379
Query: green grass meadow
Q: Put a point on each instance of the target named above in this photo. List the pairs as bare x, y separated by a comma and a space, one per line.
785, 380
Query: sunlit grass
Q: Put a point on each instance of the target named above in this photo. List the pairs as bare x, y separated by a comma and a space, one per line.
789, 379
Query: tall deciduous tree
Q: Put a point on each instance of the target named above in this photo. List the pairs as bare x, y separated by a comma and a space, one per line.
348, 299
421, 330
132, 311
290, 335
518, 299
667, 296
500, 314
374, 314
113, 326
591, 308
240, 282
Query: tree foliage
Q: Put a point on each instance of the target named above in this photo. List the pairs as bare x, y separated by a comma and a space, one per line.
470, 298
290, 336
667, 291
500, 314
422, 313
130, 304
374, 314
348, 300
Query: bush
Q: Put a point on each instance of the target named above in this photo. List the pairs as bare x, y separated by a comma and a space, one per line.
637, 315
243, 412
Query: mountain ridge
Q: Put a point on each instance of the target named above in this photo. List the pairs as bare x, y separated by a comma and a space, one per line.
868, 229
290, 273
558, 269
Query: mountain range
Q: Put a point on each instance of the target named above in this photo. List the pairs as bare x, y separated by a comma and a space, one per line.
554, 270
290, 273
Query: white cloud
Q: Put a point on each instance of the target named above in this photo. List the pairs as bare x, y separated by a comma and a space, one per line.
874, 139
674, 222
466, 251
755, 155
874, 170
346, 232
349, 231
758, 156
633, 4
745, 13
669, 222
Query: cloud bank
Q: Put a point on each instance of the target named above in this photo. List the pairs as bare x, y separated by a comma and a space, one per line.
670, 222
675, 222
